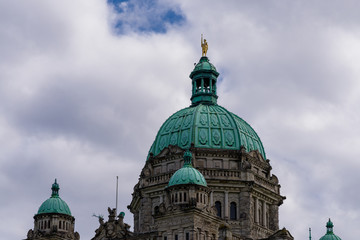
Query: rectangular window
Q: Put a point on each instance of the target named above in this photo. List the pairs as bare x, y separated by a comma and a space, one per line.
176, 237
165, 238
187, 236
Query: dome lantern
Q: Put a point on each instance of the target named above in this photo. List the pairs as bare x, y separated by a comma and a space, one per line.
330, 232
55, 189
204, 77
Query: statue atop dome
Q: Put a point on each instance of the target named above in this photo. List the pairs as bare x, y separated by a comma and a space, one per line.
204, 46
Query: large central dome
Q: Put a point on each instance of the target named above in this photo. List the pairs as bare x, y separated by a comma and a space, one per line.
206, 124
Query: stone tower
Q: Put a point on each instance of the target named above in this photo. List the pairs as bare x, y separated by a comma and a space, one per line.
53, 220
206, 175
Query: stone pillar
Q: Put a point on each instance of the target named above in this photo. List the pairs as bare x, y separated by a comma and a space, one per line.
274, 217
226, 205
211, 199
192, 234
264, 213
256, 210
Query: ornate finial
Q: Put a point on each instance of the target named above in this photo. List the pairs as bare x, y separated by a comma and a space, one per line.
187, 158
329, 226
55, 189
121, 215
204, 46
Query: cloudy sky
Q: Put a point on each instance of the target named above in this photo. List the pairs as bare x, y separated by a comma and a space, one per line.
85, 85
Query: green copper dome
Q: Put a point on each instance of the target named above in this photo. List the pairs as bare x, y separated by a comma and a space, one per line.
187, 174
206, 124
203, 64
54, 204
329, 232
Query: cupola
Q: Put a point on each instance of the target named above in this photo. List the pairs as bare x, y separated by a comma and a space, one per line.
188, 186
204, 77
53, 219
54, 204
330, 232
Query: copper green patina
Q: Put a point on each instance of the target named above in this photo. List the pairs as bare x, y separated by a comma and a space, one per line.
329, 232
206, 124
187, 174
54, 204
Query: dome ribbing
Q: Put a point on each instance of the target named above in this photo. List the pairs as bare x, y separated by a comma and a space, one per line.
54, 204
187, 174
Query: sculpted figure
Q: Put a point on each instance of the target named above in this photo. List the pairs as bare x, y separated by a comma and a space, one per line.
204, 46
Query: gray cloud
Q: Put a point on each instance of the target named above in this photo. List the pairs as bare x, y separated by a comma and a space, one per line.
83, 105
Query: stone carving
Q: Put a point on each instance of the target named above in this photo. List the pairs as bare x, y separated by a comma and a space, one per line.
114, 228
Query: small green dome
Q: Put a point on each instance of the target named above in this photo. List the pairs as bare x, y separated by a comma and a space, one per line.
187, 174
54, 204
202, 65
329, 232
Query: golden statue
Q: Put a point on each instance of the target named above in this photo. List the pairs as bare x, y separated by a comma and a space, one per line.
204, 46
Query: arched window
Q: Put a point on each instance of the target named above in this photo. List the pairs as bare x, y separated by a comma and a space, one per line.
59, 224
180, 197
176, 199
218, 208
197, 197
48, 223
156, 210
233, 211
184, 196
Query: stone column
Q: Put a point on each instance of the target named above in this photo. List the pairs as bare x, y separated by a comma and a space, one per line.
264, 213
192, 234
274, 217
226, 204
256, 210
211, 199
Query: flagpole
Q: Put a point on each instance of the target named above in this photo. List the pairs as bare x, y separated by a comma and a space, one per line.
117, 187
